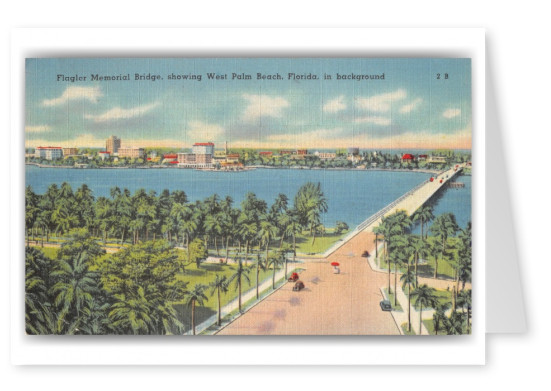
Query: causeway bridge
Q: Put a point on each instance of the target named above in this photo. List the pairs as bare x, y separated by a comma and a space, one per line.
409, 202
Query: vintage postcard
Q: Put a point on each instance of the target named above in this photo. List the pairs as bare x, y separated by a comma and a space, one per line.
248, 196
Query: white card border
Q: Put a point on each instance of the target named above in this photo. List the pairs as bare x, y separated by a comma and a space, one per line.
237, 42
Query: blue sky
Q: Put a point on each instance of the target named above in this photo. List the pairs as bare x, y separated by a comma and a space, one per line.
410, 108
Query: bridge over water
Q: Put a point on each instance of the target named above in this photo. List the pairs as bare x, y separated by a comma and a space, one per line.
409, 202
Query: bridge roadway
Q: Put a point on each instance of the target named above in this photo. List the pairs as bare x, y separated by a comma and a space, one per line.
336, 304
410, 202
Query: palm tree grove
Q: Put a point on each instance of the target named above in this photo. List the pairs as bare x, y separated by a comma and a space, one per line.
135, 263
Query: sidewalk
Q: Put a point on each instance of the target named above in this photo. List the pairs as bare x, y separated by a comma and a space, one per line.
245, 297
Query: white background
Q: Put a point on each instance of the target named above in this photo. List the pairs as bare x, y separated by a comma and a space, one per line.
517, 45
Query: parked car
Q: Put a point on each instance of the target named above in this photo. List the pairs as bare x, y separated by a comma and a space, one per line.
385, 305
365, 254
293, 277
299, 285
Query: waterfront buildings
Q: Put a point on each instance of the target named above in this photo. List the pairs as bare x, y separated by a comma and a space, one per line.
133, 152
203, 149
232, 158
113, 144
408, 158
48, 153
201, 156
170, 157
326, 155
436, 159
69, 152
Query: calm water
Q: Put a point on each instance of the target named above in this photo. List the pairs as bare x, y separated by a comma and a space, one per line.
352, 196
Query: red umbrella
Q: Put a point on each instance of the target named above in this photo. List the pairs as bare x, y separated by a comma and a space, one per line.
334, 264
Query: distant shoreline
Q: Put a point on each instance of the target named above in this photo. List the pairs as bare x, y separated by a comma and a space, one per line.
246, 168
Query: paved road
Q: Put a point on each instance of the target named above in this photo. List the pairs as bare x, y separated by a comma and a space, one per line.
336, 304
332, 304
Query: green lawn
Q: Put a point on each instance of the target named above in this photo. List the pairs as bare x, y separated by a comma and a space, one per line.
207, 272
445, 268
321, 244
50, 252
405, 329
390, 297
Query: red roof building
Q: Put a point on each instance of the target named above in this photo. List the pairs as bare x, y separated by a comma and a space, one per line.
408, 156
203, 145
171, 156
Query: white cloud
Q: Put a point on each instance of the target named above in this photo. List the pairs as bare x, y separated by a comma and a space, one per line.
380, 103
85, 140
335, 138
263, 106
300, 138
377, 120
335, 105
201, 131
91, 94
118, 113
411, 106
37, 128
451, 113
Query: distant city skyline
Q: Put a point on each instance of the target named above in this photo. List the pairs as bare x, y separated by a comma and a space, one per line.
411, 108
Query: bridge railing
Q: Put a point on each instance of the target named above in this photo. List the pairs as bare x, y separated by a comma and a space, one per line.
381, 212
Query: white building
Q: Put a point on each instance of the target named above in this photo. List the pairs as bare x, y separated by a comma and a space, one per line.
203, 149
104, 155
436, 159
48, 153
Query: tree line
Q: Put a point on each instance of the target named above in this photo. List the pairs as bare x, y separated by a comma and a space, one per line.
83, 290
143, 216
404, 250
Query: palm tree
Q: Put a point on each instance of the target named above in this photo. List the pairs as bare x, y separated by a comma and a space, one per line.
248, 230
439, 316
241, 272
454, 324
310, 202
418, 249
196, 295
220, 284
385, 228
290, 220
75, 284
266, 234
464, 301
408, 280
424, 215
274, 262
259, 265
31, 210
131, 314
213, 227
424, 298
443, 227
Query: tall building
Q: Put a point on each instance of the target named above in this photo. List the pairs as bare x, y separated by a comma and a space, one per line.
113, 144
201, 156
203, 149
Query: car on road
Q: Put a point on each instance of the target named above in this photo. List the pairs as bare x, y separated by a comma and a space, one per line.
385, 305
299, 285
293, 278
